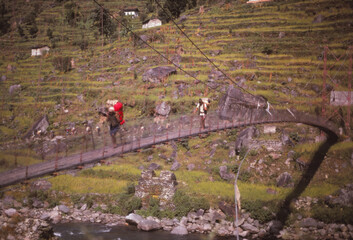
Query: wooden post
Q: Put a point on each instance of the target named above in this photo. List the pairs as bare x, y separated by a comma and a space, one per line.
348, 122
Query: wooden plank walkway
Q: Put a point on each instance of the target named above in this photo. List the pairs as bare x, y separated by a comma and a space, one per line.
185, 126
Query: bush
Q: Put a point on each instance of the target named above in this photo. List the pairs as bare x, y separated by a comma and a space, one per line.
125, 204
62, 64
260, 210
334, 214
184, 203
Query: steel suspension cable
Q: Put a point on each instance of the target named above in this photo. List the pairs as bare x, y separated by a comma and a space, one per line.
170, 17
149, 45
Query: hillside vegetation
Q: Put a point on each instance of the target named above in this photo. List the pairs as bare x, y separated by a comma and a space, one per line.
274, 49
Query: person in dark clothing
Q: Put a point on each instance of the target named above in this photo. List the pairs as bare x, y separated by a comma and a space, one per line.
114, 125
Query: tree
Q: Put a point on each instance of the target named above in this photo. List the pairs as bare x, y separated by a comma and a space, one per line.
33, 30
50, 33
103, 22
175, 8
4, 20
20, 31
72, 13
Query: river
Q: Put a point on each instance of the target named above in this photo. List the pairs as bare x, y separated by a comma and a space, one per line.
93, 231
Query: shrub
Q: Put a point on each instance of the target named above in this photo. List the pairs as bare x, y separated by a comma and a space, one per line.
245, 176
33, 30
334, 214
62, 64
126, 204
294, 137
184, 203
50, 33
261, 210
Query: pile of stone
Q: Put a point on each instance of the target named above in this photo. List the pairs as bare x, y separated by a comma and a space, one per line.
22, 222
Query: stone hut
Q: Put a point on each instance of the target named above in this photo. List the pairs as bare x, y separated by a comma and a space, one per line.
151, 186
40, 50
152, 23
131, 11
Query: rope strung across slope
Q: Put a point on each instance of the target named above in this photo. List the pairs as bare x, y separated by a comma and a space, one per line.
155, 50
145, 42
170, 17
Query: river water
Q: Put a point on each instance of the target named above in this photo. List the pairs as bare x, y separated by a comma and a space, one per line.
93, 231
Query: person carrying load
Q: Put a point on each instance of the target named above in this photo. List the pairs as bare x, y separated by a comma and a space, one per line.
114, 124
202, 107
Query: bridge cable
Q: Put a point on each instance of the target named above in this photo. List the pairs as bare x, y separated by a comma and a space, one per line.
145, 42
170, 17
235, 192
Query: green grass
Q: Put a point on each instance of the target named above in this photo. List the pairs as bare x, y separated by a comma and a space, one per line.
83, 185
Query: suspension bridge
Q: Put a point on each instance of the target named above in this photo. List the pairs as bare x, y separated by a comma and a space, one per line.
142, 135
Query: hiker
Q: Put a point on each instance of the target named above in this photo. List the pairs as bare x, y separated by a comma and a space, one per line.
202, 107
114, 124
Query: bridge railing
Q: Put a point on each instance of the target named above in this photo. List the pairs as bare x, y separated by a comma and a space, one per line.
74, 150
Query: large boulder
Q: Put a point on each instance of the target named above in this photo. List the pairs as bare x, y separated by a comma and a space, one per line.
39, 127
14, 88
133, 219
10, 212
214, 78
163, 109
308, 222
284, 180
41, 184
239, 105
223, 172
179, 230
158, 74
244, 137
148, 225
344, 196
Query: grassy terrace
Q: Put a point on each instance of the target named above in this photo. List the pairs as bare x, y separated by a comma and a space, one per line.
287, 70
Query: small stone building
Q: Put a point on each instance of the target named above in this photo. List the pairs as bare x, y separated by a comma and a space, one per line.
151, 186
341, 98
40, 50
131, 11
152, 23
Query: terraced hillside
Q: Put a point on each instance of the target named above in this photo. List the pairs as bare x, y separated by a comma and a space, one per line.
272, 49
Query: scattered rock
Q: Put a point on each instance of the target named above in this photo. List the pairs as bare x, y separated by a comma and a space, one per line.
133, 219
308, 222
158, 74
271, 191
318, 19
176, 165
14, 88
154, 166
163, 109
269, 129
281, 35
245, 136
190, 166
63, 209
284, 180
250, 228
10, 212
148, 225
41, 184
223, 172
179, 230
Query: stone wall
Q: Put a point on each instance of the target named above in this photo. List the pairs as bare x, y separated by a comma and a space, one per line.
162, 187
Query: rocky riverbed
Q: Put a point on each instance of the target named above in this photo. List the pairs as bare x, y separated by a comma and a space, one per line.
19, 221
